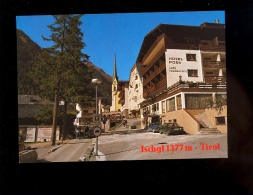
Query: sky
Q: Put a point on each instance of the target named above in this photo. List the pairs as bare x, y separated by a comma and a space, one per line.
120, 34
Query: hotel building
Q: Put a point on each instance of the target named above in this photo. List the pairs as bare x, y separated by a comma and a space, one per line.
183, 71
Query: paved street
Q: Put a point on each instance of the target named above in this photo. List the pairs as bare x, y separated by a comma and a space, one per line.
69, 151
136, 145
151, 146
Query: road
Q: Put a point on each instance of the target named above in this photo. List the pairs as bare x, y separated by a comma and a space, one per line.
148, 146
71, 151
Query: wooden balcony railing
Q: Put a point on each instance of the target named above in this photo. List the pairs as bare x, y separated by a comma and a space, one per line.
155, 73
213, 64
218, 79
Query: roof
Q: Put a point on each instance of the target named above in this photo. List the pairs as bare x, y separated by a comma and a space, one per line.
28, 110
28, 99
179, 33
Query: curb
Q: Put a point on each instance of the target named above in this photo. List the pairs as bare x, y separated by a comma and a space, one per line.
125, 131
89, 156
88, 153
53, 149
49, 151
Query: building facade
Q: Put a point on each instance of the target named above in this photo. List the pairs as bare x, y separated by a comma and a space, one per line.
184, 76
135, 91
115, 89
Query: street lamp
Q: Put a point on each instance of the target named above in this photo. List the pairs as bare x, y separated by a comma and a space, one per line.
96, 81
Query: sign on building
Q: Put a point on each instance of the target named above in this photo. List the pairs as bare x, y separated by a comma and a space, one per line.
44, 133
30, 134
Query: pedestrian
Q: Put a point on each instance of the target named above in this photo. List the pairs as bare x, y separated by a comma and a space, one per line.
77, 133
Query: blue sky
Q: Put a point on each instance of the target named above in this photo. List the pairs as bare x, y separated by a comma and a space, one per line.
122, 34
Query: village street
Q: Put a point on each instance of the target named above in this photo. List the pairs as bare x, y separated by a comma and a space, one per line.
151, 146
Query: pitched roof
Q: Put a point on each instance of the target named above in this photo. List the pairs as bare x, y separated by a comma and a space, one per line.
28, 110
28, 99
179, 33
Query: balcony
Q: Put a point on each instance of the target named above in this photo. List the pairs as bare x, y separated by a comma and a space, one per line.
217, 79
151, 77
213, 64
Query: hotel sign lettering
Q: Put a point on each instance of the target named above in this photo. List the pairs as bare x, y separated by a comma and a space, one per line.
174, 60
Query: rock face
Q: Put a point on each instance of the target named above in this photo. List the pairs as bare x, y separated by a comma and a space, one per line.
28, 156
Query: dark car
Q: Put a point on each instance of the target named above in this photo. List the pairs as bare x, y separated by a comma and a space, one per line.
171, 129
154, 127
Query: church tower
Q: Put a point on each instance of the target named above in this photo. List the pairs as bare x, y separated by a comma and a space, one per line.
115, 106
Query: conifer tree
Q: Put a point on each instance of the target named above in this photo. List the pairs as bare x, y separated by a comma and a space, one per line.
60, 69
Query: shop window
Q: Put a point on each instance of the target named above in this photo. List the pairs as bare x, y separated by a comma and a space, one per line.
171, 105
192, 73
220, 120
163, 106
179, 102
191, 57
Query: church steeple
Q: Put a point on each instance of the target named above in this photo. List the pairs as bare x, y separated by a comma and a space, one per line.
115, 76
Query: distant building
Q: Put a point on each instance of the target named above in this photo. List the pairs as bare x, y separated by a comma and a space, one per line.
30, 129
184, 67
28, 108
117, 88
135, 91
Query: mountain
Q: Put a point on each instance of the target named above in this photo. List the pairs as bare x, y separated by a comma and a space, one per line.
105, 87
28, 50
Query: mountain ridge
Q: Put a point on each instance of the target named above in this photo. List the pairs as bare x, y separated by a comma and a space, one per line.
27, 50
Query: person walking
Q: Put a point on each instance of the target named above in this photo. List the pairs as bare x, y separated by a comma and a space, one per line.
77, 133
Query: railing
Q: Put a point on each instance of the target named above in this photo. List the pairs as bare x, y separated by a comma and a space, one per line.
150, 77
214, 64
217, 79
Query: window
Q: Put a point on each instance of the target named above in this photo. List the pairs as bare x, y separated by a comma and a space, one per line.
192, 73
220, 120
191, 57
163, 106
196, 101
179, 102
170, 104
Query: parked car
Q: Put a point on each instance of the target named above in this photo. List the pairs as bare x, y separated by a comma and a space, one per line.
154, 127
171, 129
